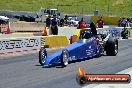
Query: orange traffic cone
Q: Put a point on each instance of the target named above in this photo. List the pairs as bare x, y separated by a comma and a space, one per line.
44, 33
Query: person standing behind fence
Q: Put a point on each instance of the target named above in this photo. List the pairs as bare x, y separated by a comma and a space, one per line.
119, 22
66, 20
62, 22
100, 23
124, 22
48, 21
125, 33
82, 24
54, 25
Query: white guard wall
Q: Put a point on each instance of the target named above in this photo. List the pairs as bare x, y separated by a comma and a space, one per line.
19, 45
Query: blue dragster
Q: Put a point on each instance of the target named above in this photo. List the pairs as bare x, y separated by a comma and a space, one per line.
86, 46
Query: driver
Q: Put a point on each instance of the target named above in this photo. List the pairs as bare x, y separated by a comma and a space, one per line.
93, 28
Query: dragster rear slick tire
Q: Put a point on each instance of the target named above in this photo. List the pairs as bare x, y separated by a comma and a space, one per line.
111, 47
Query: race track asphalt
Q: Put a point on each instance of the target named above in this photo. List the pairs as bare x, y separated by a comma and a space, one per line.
25, 72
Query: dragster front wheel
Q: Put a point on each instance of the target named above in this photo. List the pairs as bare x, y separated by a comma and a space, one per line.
42, 55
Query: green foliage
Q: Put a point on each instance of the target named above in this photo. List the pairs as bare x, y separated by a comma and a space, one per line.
105, 7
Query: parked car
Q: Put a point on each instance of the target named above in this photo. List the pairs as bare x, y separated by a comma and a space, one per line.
73, 21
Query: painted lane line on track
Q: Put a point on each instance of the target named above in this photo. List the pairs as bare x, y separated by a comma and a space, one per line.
127, 71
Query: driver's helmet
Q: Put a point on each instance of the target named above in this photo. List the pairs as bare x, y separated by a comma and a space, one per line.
85, 35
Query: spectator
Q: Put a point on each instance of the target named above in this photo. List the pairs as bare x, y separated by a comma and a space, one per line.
125, 33
66, 20
62, 22
124, 22
119, 22
100, 23
54, 25
82, 24
48, 21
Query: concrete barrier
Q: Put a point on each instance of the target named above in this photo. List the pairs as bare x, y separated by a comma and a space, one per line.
131, 33
26, 27
17, 44
55, 40
39, 27
68, 31
75, 36
77, 32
